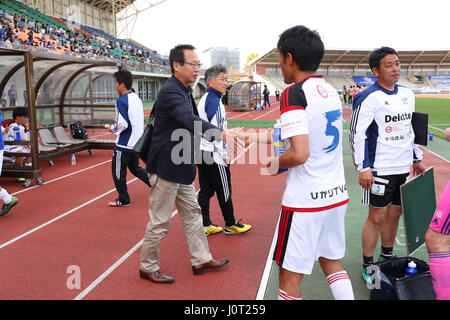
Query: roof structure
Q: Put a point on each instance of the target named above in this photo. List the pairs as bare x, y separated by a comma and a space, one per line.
342, 58
110, 5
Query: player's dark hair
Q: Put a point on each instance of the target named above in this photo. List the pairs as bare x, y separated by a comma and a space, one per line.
378, 54
177, 54
20, 112
124, 76
304, 45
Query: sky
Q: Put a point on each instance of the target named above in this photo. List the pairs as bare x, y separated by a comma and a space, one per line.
255, 25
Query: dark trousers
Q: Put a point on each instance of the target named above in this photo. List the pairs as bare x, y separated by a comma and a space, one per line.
215, 178
120, 162
266, 100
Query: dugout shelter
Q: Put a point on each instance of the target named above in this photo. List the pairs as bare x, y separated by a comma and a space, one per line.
57, 90
243, 95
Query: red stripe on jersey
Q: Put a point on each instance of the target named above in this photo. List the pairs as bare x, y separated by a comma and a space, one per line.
315, 77
285, 99
290, 108
315, 209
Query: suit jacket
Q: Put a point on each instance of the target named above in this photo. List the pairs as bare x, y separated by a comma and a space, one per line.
176, 109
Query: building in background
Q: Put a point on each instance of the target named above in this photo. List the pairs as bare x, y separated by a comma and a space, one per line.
230, 58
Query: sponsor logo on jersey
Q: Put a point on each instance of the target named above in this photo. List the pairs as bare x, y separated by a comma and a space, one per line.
399, 117
322, 91
328, 193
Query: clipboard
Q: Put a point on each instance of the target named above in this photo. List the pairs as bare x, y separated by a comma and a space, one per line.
418, 197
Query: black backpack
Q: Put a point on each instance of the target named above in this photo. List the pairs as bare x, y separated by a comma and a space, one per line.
77, 131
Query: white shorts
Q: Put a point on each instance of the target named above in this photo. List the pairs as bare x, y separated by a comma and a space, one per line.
303, 237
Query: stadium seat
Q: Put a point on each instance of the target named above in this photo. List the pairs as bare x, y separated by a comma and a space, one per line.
62, 137
46, 148
48, 140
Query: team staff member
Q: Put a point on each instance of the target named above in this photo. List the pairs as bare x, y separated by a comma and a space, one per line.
266, 93
173, 180
214, 172
311, 224
128, 128
383, 149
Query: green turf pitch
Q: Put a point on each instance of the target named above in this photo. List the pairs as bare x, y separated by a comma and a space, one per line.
438, 110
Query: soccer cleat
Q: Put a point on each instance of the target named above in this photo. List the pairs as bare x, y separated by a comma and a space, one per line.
237, 227
7, 207
212, 229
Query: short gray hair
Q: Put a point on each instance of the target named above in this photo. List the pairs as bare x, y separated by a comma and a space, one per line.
214, 70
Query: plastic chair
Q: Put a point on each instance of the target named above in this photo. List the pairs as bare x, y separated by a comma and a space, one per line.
48, 140
61, 136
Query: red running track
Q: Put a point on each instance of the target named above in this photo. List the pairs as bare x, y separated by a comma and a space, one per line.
67, 223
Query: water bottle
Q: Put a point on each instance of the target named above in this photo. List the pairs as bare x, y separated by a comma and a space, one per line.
411, 269
279, 145
16, 131
73, 159
431, 136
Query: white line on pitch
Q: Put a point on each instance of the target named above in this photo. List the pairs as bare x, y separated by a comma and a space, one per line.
238, 115
58, 217
265, 277
266, 113
115, 265
435, 154
109, 271
62, 177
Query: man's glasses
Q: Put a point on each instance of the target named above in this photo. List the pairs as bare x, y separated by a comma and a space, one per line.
194, 64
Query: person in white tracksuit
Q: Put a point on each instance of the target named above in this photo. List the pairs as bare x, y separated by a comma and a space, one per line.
383, 150
129, 127
214, 175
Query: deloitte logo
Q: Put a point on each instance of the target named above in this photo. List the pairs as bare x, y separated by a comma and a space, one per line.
398, 117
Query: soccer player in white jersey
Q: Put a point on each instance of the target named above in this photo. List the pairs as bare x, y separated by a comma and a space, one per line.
383, 149
311, 224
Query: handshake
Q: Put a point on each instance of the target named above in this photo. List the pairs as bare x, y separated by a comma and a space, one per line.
238, 141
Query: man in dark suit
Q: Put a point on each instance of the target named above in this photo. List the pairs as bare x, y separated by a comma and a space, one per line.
172, 170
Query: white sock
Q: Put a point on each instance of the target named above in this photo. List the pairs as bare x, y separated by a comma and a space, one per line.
5, 196
340, 286
282, 295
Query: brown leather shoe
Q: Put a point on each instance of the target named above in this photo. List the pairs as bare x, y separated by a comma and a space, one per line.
158, 276
210, 265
